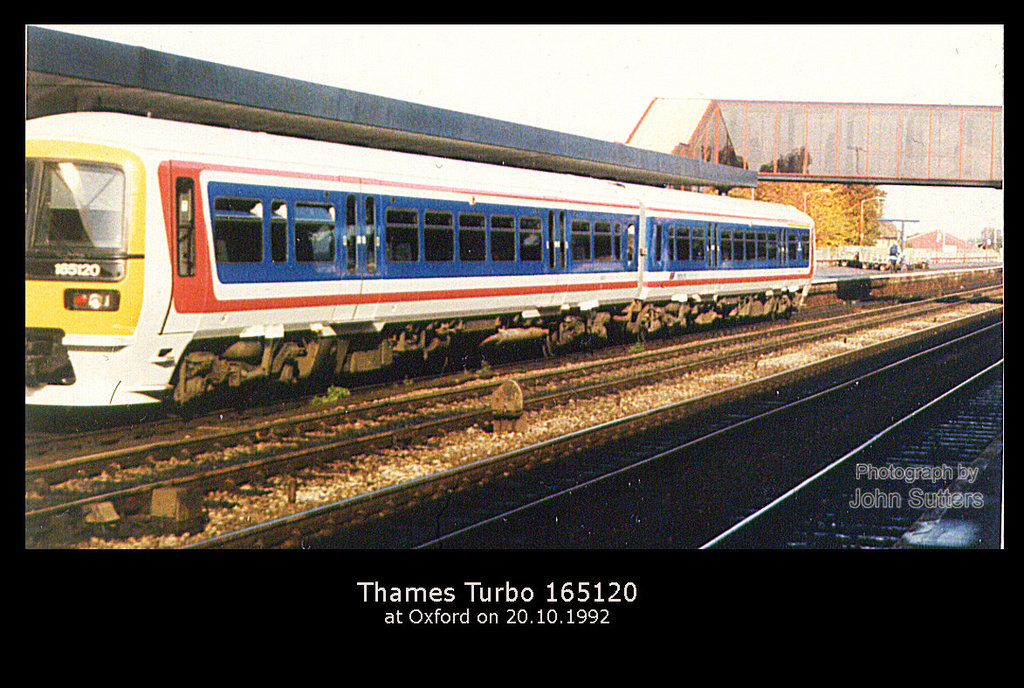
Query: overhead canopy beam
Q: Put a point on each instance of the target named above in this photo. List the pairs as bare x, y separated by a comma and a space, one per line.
67, 72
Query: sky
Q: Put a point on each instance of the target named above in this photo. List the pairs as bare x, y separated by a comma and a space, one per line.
597, 80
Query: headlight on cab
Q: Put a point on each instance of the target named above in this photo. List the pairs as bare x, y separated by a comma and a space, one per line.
91, 299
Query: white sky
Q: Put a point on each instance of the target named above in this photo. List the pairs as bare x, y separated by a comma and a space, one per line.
596, 81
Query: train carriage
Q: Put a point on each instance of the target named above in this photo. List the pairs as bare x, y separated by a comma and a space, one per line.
165, 259
716, 246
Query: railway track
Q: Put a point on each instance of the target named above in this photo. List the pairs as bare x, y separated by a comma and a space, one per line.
70, 450
923, 481
700, 482
54, 436
423, 493
306, 441
51, 437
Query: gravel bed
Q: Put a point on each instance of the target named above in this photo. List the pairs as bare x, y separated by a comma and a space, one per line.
228, 511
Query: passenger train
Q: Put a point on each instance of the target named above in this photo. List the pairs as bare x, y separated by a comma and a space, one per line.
166, 259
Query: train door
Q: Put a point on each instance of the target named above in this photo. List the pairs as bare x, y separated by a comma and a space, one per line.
363, 252
556, 255
714, 259
556, 241
628, 250
552, 248
712, 253
805, 248
190, 268
656, 241
636, 247
795, 247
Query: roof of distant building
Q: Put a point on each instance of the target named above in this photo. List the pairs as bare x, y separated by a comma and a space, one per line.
936, 239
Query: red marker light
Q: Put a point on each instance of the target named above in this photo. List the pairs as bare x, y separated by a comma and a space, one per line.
92, 300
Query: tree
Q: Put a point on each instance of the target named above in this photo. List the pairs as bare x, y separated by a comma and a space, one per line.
835, 208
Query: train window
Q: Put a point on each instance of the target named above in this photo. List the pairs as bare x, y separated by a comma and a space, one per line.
657, 244
78, 207
238, 230
314, 233
185, 209
371, 238
751, 241
401, 235
503, 238
762, 246
530, 238
670, 234
791, 248
682, 243
725, 240
805, 248
472, 237
438, 236
617, 241
773, 246
630, 242
603, 241
580, 237
737, 245
697, 245
278, 231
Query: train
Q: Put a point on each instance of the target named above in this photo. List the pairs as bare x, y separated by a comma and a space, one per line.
168, 259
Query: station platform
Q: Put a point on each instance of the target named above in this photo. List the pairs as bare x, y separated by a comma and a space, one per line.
824, 273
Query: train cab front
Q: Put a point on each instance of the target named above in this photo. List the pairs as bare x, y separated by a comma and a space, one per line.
83, 274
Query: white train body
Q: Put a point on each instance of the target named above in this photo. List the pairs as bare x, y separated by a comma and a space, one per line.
148, 241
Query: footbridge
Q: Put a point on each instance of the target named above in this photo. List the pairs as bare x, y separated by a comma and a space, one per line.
854, 143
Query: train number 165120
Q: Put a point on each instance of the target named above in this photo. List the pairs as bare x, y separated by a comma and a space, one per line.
582, 591
77, 269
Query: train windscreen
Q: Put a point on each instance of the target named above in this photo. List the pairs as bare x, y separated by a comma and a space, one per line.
74, 208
